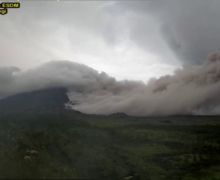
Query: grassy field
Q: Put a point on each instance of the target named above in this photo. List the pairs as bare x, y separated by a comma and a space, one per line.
72, 145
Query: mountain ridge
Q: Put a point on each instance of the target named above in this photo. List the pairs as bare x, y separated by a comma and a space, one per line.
45, 100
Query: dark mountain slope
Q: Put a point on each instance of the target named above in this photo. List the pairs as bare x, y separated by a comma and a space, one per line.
36, 101
53, 143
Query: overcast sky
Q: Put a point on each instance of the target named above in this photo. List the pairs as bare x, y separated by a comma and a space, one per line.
126, 39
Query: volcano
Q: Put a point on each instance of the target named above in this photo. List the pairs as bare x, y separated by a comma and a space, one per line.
46, 100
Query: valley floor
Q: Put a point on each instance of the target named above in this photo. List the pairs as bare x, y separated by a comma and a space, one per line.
76, 146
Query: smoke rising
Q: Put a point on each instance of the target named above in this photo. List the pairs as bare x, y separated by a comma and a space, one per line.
191, 90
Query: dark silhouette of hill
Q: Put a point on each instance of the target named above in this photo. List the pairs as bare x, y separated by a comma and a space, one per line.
46, 100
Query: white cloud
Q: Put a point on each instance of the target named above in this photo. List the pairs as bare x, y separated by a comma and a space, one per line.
91, 33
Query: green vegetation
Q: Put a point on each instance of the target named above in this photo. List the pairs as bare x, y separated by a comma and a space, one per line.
72, 145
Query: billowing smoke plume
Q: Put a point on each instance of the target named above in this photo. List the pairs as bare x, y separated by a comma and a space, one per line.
191, 90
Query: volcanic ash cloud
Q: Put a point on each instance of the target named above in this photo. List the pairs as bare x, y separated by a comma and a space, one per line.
191, 90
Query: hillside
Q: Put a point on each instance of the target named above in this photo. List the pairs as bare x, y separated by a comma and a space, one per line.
41, 100
39, 139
